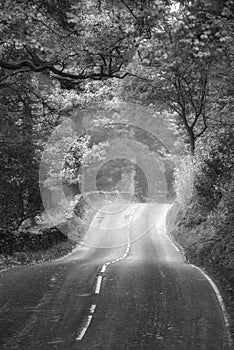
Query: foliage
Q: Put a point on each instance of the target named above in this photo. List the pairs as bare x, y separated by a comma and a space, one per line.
25, 241
69, 40
19, 157
214, 166
183, 64
56, 58
184, 182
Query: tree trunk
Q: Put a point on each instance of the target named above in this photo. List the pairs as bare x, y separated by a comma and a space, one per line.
192, 142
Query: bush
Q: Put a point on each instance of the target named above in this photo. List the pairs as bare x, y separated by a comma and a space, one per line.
21, 241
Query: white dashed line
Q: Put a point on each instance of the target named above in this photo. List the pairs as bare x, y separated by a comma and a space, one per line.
85, 327
88, 319
92, 308
103, 268
87, 322
98, 284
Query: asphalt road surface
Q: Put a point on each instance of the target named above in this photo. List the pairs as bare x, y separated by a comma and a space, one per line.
126, 287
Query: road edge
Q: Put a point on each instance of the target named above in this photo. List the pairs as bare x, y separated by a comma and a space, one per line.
202, 270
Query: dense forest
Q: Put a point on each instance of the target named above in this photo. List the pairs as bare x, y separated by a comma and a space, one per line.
60, 58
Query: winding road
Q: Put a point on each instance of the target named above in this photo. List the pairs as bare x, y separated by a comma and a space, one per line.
126, 287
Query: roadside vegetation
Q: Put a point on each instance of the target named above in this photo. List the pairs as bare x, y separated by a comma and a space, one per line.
202, 218
43, 241
60, 58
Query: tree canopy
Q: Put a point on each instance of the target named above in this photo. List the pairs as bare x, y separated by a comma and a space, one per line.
70, 40
58, 57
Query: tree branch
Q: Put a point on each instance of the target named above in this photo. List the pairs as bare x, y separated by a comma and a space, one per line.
203, 130
190, 94
60, 73
129, 9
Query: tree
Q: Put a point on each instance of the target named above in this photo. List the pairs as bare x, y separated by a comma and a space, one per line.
28, 114
68, 40
56, 57
181, 64
20, 196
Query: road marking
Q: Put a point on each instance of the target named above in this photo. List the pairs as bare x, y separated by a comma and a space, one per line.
99, 280
85, 327
103, 268
87, 322
165, 230
98, 284
215, 288
174, 245
221, 303
92, 308
161, 223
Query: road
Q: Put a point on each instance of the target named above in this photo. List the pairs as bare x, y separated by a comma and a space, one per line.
126, 287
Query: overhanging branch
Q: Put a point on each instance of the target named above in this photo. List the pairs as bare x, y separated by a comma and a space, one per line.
61, 73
